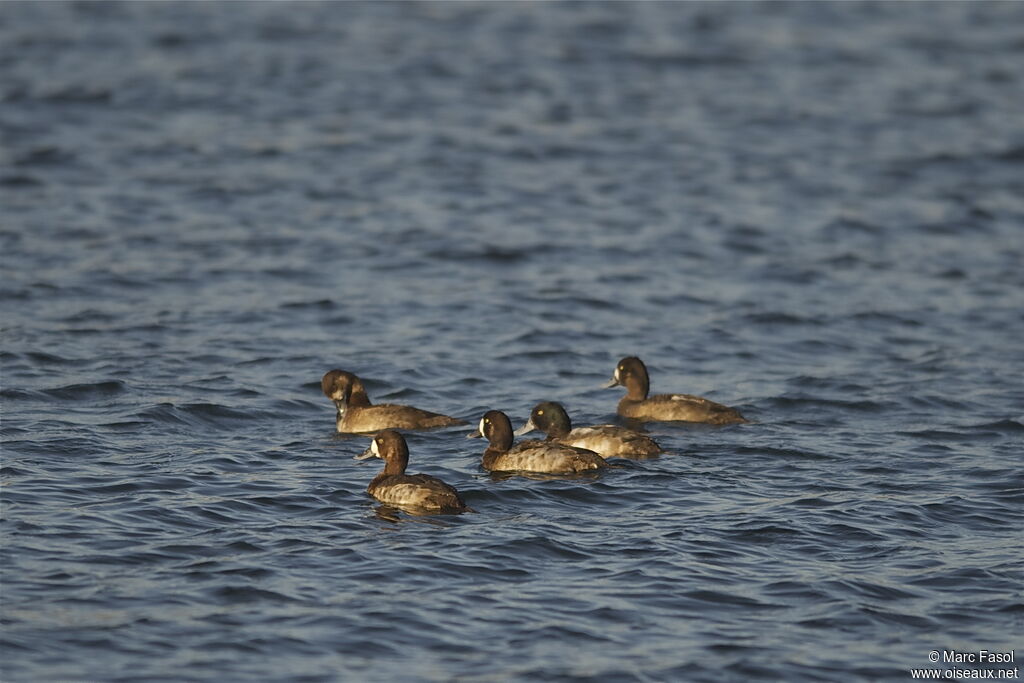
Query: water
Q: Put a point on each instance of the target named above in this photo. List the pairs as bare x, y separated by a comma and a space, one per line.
812, 212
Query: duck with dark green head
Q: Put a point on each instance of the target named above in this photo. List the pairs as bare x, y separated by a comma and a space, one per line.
609, 441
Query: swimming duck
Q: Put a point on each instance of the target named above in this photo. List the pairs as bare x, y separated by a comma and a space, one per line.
357, 415
607, 440
632, 374
532, 455
394, 487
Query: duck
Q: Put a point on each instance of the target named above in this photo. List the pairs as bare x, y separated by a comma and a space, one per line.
631, 373
356, 415
529, 456
608, 441
394, 487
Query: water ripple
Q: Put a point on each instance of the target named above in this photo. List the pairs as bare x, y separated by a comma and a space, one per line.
486, 206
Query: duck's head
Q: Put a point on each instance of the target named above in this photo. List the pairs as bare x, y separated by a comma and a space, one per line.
496, 428
549, 417
630, 372
389, 446
344, 388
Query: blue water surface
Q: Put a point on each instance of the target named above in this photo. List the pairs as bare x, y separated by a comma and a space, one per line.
813, 212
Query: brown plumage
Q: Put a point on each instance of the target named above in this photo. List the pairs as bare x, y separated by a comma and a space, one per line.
607, 440
356, 415
394, 487
632, 374
530, 456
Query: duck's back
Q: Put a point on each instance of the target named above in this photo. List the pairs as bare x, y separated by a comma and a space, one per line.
679, 407
549, 457
611, 441
417, 490
375, 418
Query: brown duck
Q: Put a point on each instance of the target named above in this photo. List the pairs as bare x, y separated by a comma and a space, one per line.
394, 487
356, 415
631, 373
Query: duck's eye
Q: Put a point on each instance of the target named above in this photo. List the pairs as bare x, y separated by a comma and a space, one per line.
540, 412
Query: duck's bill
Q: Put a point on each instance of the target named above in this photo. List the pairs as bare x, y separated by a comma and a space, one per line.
474, 435
610, 383
526, 428
368, 453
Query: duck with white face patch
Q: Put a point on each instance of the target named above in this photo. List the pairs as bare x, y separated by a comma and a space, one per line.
632, 373
529, 456
394, 487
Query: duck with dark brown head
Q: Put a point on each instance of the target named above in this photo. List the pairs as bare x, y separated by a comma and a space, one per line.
632, 373
394, 487
529, 456
356, 415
